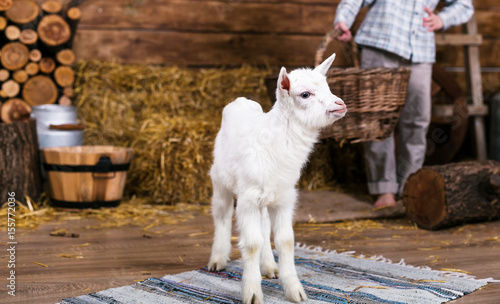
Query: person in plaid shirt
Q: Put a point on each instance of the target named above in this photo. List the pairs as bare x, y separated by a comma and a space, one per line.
399, 33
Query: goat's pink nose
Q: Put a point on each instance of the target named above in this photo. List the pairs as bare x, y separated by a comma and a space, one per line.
339, 102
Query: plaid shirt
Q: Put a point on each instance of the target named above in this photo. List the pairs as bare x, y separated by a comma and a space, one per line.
397, 26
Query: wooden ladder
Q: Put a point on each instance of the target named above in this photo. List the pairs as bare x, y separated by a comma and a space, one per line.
471, 41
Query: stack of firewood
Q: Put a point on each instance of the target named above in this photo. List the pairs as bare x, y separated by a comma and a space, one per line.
35, 55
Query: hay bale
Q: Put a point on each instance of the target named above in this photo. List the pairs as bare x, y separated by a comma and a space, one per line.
170, 116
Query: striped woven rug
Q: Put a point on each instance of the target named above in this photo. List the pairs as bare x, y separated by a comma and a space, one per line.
327, 277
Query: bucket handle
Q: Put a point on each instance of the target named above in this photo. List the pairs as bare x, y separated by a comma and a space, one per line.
67, 127
103, 166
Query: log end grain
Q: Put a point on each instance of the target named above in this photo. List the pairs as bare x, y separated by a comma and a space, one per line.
39, 90
65, 57
35, 55
32, 68
14, 56
64, 101
3, 23
52, 7
74, 13
28, 37
425, 198
47, 65
5, 5
53, 30
4, 74
64, 76
22, 11
68, 91
11, 88
21, 76
12, 32
14, 109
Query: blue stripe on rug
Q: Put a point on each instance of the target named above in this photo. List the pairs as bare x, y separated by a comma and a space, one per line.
327, 277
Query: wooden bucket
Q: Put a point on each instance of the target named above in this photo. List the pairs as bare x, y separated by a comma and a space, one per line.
86, 176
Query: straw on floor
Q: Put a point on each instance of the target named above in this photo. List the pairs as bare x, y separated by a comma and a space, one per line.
328, 277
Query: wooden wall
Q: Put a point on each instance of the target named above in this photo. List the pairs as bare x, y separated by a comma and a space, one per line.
234, 32
204, 32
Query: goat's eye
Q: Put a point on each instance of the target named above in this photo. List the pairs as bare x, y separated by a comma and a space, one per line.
305, 95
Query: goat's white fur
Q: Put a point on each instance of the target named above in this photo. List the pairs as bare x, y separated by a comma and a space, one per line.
257, 160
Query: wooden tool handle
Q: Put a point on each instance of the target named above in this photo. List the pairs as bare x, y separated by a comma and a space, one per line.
67, 127
327, 39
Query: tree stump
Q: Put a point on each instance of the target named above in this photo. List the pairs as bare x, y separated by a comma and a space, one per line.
19, 161
443, 196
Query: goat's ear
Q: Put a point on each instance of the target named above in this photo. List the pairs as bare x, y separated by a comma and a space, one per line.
325, 65
283, 82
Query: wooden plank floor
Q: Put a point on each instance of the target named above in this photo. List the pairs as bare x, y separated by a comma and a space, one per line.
113, 257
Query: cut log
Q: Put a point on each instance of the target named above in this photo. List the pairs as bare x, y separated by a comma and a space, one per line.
53, 30
47, 65
15, 109
12, 32
32, 68
443, 196
19, 161
3, 23
68, 91
65, 57
64, 76
35, 55
11, 88
21, 76
14, 56
28, 37
73, 16
39, 90
4, 74
22, 11
64, 100
52, 7
5, 5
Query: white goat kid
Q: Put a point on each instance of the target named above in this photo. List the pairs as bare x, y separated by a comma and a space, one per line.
257, 160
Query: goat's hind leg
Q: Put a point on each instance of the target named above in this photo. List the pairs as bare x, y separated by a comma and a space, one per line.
249, 220
222, 213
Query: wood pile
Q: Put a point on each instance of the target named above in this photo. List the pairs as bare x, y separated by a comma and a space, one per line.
35, 55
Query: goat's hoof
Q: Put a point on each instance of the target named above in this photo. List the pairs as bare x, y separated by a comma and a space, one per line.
270, 271
216, 265
295, 292
254, 299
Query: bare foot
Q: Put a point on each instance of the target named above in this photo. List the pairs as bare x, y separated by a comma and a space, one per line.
385, 200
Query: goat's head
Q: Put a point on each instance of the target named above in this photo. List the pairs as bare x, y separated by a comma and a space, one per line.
305, 95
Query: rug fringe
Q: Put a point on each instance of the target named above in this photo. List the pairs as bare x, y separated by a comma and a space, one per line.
382, 259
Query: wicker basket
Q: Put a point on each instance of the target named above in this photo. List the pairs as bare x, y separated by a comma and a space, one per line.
374, 98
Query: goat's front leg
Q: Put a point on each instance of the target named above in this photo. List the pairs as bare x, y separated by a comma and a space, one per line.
281, 220
268, 266
248, 219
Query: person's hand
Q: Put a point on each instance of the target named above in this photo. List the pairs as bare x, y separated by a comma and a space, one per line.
346, 35
433, 22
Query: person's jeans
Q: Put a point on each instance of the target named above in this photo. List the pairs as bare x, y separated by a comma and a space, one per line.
388, 167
